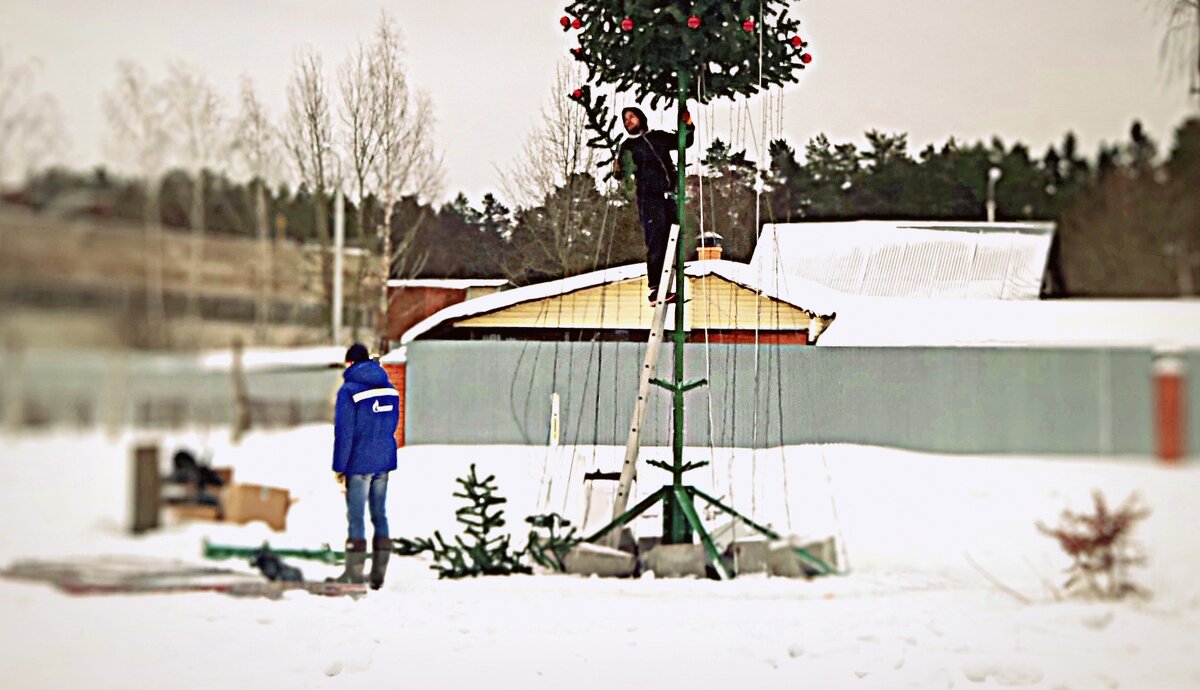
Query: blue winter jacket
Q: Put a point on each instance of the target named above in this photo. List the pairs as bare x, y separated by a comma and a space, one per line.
364, 421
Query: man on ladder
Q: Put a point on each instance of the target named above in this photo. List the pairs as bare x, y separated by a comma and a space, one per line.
654, 171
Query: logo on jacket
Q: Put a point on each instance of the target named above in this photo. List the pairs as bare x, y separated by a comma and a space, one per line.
380, 408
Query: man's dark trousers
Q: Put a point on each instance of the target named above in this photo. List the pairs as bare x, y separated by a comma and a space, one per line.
655, 211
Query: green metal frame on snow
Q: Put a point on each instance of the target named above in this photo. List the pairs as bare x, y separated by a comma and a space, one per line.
680, 518
219, 552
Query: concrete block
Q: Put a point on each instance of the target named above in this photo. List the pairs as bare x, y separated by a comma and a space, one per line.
749, 555
783, 561
593, 559
675, 560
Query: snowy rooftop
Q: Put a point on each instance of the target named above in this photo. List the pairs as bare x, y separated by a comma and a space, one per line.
912, 259
896, 321
797, 291
258, 358
448, 283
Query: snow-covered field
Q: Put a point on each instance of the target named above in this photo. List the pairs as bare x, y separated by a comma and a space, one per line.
911, 613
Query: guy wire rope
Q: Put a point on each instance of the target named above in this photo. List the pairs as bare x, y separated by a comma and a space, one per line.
712, 463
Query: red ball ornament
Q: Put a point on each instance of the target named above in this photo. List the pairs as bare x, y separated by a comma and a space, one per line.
797, 41
748, 25
806, 58
577, 94
565, 21
576, 23
693, 22
627, 24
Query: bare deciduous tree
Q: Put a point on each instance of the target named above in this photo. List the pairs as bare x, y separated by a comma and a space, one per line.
359, 111
136, 109
31, 127
257, 144
1181, 42
556, 150
308, 140
198, 122
406, 165
564, 226
360, 115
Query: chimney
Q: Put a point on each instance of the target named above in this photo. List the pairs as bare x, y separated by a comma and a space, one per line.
709, 247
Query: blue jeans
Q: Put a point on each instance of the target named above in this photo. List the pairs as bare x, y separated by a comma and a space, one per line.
364, 490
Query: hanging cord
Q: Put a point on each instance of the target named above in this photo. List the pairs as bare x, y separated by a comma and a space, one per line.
546, 486
757, 287
839, 532
597, 340
712, 454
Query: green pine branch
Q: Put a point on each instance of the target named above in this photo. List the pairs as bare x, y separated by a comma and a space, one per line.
602, 125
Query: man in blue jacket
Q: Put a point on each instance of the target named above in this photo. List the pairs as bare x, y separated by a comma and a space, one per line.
364, 452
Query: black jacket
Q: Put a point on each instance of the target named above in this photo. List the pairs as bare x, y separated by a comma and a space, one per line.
654, 170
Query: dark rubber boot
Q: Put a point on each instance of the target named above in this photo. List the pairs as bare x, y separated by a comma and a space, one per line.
381, 551
356, 558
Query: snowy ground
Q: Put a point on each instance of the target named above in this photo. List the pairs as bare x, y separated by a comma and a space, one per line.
911, 613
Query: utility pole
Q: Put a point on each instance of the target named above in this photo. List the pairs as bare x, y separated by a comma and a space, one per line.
994, 175
339, 242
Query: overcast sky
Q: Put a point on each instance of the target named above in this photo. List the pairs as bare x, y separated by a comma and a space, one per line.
1021, 69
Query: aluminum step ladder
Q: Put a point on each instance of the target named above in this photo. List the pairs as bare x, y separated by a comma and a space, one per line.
654, 344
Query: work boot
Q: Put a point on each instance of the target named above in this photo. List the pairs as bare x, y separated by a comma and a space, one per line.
356, 558
381, 551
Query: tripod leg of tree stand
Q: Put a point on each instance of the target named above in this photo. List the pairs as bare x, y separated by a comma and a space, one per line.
710, 549
823, 567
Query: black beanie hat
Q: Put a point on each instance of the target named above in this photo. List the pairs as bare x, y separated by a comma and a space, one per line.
357, 353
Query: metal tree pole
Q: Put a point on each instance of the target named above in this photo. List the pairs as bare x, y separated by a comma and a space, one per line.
675, 523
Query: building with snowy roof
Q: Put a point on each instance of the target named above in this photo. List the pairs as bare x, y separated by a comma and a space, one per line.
996, 261
411, 300
727, 303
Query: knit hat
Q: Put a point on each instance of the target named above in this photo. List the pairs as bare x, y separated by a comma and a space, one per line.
357, 353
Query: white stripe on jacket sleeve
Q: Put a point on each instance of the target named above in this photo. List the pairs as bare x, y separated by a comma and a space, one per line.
376, 393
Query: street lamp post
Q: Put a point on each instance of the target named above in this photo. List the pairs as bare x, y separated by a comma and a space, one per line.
339, 246
339, 243
994, 175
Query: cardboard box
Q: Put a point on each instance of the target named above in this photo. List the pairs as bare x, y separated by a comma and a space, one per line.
242, 503
225, 473
185, 512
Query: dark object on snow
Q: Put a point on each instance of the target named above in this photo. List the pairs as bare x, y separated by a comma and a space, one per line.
190, 481
273, 568
551, 538
186, 470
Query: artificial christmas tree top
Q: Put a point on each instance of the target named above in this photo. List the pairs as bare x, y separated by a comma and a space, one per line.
644, 46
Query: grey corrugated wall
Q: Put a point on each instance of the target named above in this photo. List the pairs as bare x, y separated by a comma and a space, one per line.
960, 400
